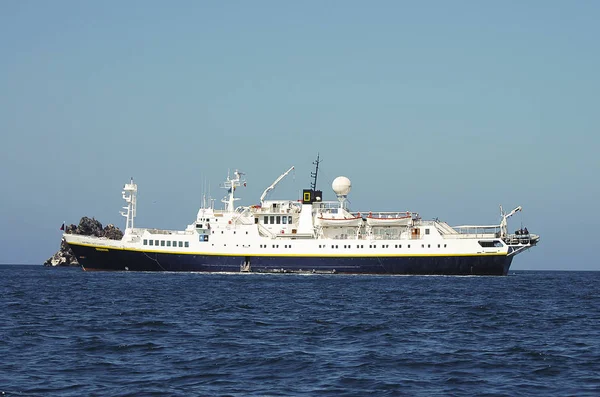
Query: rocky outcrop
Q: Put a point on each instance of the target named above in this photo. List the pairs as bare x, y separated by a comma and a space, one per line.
86, 227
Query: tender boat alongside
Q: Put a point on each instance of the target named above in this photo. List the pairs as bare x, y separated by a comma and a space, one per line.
304, 236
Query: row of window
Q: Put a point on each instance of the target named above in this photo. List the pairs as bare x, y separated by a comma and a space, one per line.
276, 246
234, 232
334, 246
277, 220
382, 246
167, 243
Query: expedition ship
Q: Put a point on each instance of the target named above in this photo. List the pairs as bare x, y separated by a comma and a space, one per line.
307, 235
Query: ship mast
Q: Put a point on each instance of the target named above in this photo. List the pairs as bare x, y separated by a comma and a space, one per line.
313, 184
130, 196
231, 185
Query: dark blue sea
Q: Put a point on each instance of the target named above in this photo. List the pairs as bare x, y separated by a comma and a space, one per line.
66, 332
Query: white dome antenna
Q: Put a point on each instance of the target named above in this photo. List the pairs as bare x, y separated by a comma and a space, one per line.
341, 186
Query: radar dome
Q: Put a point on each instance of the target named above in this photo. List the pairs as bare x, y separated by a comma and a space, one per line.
341, 186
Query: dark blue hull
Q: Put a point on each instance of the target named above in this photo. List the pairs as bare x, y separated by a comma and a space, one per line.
91, 258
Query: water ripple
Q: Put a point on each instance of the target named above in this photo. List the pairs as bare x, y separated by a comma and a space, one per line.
70, 333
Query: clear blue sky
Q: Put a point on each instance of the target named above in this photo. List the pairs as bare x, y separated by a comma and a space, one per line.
449, 108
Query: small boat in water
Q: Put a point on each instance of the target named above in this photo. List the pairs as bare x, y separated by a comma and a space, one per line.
306, 235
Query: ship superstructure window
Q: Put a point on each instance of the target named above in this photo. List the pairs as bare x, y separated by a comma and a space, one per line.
490, 244
278, 219
290, 219
174, 243
156, 242
284, 219
162, 243
180, 244
187, 244
145, 242
426, 231
272, 219
444, 245
266, 220
408, 245
151, 242
168, 243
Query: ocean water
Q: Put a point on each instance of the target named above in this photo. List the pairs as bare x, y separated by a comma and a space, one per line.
66, 332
